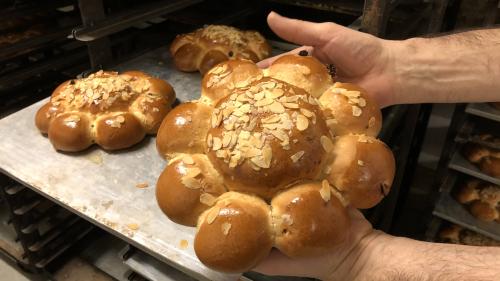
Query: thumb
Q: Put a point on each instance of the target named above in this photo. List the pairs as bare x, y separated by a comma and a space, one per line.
301, 32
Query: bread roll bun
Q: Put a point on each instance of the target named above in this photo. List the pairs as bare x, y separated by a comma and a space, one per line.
468, 192
261, 141
362, 169
349, 110
113, 110
206, 47
184, 130
188, 186
483, 211
490, 166
304, 72
309, 220
235, 234
221, 80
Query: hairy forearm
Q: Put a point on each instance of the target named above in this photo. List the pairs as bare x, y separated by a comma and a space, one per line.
462, 67
387, 258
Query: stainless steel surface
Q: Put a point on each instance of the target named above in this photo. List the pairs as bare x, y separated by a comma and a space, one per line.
449, 209
154, 270
459, 163
483, 110
100, 186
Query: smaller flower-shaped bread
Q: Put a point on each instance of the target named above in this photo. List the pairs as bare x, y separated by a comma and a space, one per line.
482, 198
202, 49
271, 158
112, 110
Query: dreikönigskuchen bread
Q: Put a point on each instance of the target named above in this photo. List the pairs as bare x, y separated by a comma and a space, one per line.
268, 160
482, 198
202, 49
112, 110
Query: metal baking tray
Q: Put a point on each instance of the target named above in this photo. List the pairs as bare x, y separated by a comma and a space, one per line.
459, 163
100, 186
449, 209
483, 110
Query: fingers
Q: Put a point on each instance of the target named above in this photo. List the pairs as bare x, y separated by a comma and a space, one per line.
267, 62
301, 32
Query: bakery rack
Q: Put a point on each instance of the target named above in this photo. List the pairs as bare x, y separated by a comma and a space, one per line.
99, 187
468, 121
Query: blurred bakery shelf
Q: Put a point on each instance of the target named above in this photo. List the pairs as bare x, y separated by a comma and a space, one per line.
459, 163
483, 110
449, 209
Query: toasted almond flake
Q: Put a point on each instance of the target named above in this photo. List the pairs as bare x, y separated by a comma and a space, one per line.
362, 102
217, 143
209, 140
263, 102
312, 100
183, 244
190, 182
306, 113
351, 94
271, 119
361, 163
279, 134
258, 96
327, 170
276, 93
356, 111
142, 185
187, 159
276, 107
331, 122
371, 122
207, 199
133, 226
291, 105
225, 228
226, 139
212, 215
326, 143
193, 172
302, 122
296, 157
120, 119
325, 191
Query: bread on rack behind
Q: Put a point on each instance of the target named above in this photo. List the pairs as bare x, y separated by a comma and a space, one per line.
204, 48
113, 110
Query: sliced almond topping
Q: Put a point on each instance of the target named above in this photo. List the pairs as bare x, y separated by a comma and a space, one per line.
258, 96
362, 102
263, 102
327, 144
325, 191
276, 107
279, 134
209, 140
371, 122
183, 244
190, 182
291, 105
296, 157
271, 119
225, 228
226, 139
351, 94
212, 215
306, 113
187, 159
361, 163
276, 93
356, 111
142, 185
331, 122
207, 199
302, 122
193, 172
217, 143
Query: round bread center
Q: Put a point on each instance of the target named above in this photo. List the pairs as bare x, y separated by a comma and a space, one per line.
266, 136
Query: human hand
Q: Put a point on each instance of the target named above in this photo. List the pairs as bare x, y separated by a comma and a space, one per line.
339, 264
359, 58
